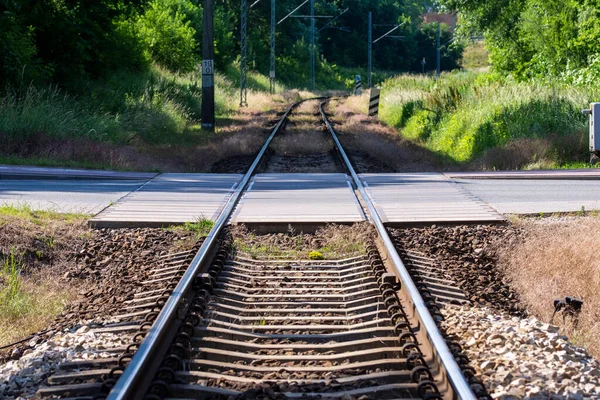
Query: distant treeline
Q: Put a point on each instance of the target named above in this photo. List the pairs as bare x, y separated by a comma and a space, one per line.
537, 38
62, 41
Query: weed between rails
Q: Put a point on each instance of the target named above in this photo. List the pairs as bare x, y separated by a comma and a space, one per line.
330, 242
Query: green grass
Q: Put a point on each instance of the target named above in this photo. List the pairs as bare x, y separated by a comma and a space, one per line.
39, 161
14, 302
475, 56
25, 212
25, 306
465, 115
201, 228
156, 107
334, 249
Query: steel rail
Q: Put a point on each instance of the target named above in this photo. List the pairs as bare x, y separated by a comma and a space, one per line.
128, 386
452, 370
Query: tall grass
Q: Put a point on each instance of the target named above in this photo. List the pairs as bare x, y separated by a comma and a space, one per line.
26, 306
156, 107
466, 115
52, 112
13, 302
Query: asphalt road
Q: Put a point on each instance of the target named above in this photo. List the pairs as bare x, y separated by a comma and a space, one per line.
85, 196
519, 196
535, 196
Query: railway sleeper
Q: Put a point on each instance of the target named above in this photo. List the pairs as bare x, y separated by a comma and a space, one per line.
384, 392
294, 346
258, 337
338, 357
227, 297
292, 316
267, 309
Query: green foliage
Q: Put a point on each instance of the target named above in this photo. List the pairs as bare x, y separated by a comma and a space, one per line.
426, 43
475, 56
17, 49
315, 255
37, 217
62, 41
418, 125
464, 115
536, 38
167, 34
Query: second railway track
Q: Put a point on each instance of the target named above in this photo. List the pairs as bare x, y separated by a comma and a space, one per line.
225, 326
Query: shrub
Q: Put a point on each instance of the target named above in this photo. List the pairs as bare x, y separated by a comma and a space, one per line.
165, 29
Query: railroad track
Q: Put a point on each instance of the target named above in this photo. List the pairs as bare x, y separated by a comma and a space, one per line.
216, 324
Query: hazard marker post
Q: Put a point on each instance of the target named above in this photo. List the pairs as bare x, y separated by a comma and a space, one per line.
357, 86
374, 102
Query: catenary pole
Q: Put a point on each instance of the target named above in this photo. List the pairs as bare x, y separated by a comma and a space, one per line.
244, 55
438, 56
208, 71
370, 50
272, 71
312, 44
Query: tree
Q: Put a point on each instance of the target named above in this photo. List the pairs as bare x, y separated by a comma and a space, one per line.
166, 30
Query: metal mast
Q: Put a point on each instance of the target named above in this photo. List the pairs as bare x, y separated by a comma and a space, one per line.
272, 71
244, 60
312, 44
208, 65
438, 56
370, 49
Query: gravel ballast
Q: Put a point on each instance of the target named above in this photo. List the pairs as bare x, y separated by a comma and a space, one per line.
21, 378
468, 256
105, 271
522, 357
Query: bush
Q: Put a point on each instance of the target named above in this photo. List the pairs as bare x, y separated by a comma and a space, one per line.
166, 31
17, 51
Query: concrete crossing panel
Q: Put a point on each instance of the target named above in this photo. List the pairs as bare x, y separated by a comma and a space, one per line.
299, 198
170, 199
420, 198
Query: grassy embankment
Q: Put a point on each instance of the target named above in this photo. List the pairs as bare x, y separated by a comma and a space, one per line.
34, 246
482, 121
145, 120
126, 121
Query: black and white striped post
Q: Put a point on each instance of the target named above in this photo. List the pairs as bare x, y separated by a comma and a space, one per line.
374, 102
357, 86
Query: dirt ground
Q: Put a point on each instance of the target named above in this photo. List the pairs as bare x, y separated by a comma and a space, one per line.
68, 273
331, 241
523, 267
374, 147
554, 258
